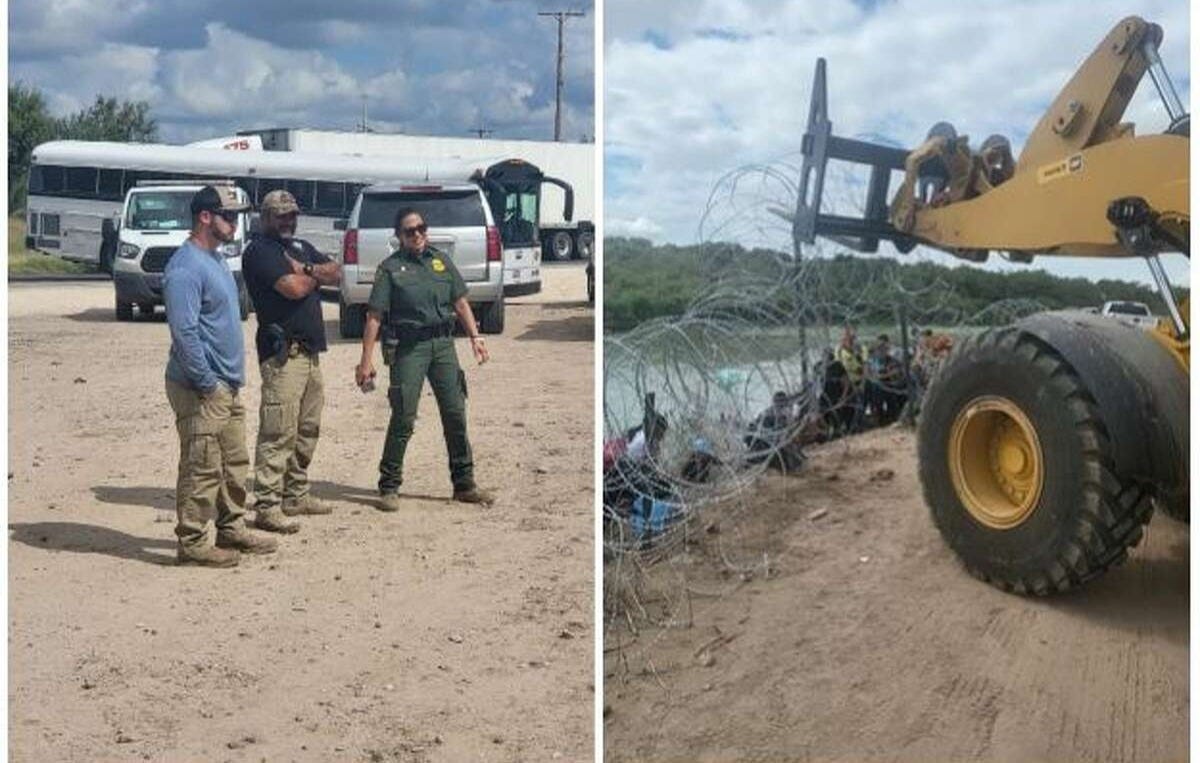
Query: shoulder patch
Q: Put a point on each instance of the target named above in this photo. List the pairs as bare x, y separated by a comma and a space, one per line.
437, 265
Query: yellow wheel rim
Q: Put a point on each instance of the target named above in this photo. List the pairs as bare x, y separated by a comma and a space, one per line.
996, 462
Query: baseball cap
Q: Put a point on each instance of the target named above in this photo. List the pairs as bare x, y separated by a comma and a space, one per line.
277, 203
217, 199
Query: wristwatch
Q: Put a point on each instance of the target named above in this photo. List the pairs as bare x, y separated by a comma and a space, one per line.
308, 268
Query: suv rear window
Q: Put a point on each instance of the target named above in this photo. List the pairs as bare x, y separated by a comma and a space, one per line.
441, 209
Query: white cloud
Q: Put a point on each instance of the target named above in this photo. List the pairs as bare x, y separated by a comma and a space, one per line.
639, 227
710, 102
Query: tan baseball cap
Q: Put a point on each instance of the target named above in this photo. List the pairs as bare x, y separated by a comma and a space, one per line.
217, 198
278, 203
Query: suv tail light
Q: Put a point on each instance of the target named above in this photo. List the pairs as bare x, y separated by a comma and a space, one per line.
493, 244
350, 247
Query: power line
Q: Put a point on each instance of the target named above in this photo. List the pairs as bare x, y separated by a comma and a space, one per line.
559, 16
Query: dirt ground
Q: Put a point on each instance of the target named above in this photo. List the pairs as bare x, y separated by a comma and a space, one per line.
440, 633
868, 641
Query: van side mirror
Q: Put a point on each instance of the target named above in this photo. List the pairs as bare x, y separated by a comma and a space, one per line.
340, 224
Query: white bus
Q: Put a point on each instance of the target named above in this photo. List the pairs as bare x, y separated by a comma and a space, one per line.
76, 189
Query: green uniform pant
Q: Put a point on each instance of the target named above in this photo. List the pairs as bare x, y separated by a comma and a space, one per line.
289, 422
212, 461
436, 360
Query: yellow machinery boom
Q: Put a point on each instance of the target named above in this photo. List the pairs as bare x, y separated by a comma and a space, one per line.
1044, 446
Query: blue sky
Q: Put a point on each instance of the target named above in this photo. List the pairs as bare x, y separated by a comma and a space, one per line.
694, 90
207, 68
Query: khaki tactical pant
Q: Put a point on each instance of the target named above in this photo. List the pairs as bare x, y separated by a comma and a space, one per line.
436, 360
212, 461
289, 422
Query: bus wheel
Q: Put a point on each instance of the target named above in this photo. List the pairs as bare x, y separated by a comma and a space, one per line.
584, 243
124, 311
562, 246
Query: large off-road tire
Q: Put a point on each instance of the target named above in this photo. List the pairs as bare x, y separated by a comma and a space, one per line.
352, 320
491, 318
1017, 468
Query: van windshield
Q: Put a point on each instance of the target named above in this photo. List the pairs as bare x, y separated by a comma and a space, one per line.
160, 210
440, 209
1128, 308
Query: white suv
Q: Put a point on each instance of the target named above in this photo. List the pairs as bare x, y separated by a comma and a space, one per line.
460, 226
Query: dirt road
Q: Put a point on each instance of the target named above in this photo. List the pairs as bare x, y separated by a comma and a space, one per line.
440, 633
868, 641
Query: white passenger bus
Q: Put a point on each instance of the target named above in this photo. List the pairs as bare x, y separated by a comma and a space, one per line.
76, 189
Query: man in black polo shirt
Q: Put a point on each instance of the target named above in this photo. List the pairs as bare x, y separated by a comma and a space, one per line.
283, 277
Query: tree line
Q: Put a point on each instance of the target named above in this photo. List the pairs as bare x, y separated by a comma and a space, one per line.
30, 123
643, 281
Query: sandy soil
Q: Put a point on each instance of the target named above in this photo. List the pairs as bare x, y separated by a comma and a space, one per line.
868, 641
442, 632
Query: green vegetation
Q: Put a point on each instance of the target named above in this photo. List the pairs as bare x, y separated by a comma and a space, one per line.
30, 123
22, 261
643, 281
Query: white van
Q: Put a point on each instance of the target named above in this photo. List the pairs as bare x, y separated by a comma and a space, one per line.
155, 221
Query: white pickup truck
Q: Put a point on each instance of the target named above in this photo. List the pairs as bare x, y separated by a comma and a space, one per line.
1135, 313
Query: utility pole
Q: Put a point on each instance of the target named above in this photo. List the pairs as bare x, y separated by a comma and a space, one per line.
363, 127
560, 16
481, 131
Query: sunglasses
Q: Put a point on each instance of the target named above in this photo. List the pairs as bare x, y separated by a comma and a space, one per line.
229, 217
415, 230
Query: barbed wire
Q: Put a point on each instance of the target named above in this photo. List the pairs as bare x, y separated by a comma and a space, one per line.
697, 407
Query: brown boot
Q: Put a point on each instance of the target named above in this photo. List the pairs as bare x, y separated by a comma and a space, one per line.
473, 495
205, 556
389, 502
244, 540
306, 505
273, 520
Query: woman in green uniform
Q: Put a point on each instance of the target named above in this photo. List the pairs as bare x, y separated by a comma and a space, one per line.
417, 294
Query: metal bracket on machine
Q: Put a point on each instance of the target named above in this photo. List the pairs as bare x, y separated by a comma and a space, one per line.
861, 234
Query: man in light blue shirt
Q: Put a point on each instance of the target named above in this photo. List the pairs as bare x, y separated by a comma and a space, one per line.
205, 372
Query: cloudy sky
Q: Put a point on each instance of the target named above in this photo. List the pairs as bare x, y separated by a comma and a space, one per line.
210, 68
696, 89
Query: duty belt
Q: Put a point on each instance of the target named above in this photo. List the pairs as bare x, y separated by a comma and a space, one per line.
410, 334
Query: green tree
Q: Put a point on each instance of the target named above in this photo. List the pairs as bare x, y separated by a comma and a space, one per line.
29, 123
110, 119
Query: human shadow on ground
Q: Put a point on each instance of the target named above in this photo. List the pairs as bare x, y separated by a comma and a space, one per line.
106, 315
577, 328
364, 496
569, 305
155, 497
92, 539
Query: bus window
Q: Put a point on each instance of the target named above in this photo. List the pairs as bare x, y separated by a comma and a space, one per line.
81, 181
247, 184
37, 179
303, 191
519, 226
110, 185
266, 185
52, 179
331, 198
